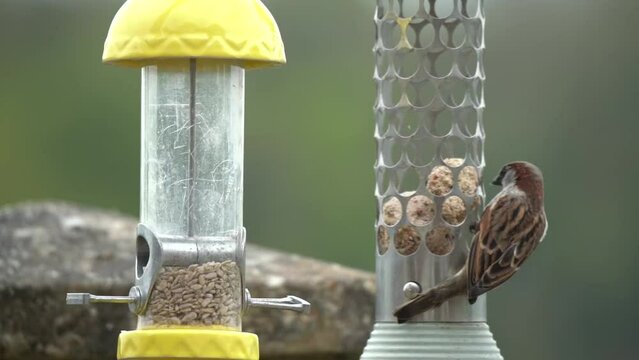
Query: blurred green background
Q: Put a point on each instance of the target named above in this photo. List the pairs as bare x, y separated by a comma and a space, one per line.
561, 92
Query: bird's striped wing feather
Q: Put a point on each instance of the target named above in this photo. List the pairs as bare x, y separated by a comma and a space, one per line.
508, 232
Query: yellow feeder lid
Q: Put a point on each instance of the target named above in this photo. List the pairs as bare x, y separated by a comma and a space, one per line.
187, 344
150, 31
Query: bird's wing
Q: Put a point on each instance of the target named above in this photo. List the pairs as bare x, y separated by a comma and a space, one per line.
508, 233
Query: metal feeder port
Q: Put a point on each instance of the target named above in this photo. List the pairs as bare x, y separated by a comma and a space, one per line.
430, 137
189, 291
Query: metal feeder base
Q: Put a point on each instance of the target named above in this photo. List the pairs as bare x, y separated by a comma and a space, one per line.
415, 341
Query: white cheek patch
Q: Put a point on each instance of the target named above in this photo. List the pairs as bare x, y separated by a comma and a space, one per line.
509, 178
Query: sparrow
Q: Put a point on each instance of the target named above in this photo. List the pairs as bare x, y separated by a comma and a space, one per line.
510, 228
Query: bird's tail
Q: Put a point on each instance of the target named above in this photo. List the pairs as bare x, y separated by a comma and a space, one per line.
433, 298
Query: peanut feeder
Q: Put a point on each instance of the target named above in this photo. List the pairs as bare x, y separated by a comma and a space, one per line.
430, 136
189, 291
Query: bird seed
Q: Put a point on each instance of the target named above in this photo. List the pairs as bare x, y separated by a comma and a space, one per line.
198, 295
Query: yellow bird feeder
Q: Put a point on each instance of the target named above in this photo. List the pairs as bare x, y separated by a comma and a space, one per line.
189, 291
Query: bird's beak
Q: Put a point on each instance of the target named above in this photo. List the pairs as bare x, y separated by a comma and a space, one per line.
497, 181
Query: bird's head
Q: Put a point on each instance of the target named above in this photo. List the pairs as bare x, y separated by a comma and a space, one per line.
519, 173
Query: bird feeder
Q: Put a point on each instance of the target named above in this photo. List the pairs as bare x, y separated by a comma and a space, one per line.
430, 137
189, 291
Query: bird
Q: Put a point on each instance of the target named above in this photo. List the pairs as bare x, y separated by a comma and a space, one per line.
509, 230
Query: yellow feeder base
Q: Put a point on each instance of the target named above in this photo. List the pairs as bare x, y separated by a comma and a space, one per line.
192, 344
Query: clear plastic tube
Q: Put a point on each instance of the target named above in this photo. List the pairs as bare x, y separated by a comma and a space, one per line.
191, 188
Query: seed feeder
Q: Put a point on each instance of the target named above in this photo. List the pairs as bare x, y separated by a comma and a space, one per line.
189, 291
430, 136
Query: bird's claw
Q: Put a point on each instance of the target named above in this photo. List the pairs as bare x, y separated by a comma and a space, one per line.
474, 227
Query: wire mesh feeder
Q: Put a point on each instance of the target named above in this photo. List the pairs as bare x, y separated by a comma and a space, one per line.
430, 136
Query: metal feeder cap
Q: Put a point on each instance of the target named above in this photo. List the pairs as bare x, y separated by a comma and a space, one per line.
146, 32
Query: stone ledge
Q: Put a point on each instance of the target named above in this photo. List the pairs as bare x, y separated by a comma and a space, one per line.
49, 249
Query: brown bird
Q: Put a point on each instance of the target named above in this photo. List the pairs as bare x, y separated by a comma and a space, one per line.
511, 227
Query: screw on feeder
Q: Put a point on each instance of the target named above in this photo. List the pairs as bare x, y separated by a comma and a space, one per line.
411, 290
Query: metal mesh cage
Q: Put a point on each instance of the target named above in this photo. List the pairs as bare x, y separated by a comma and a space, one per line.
430, 136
